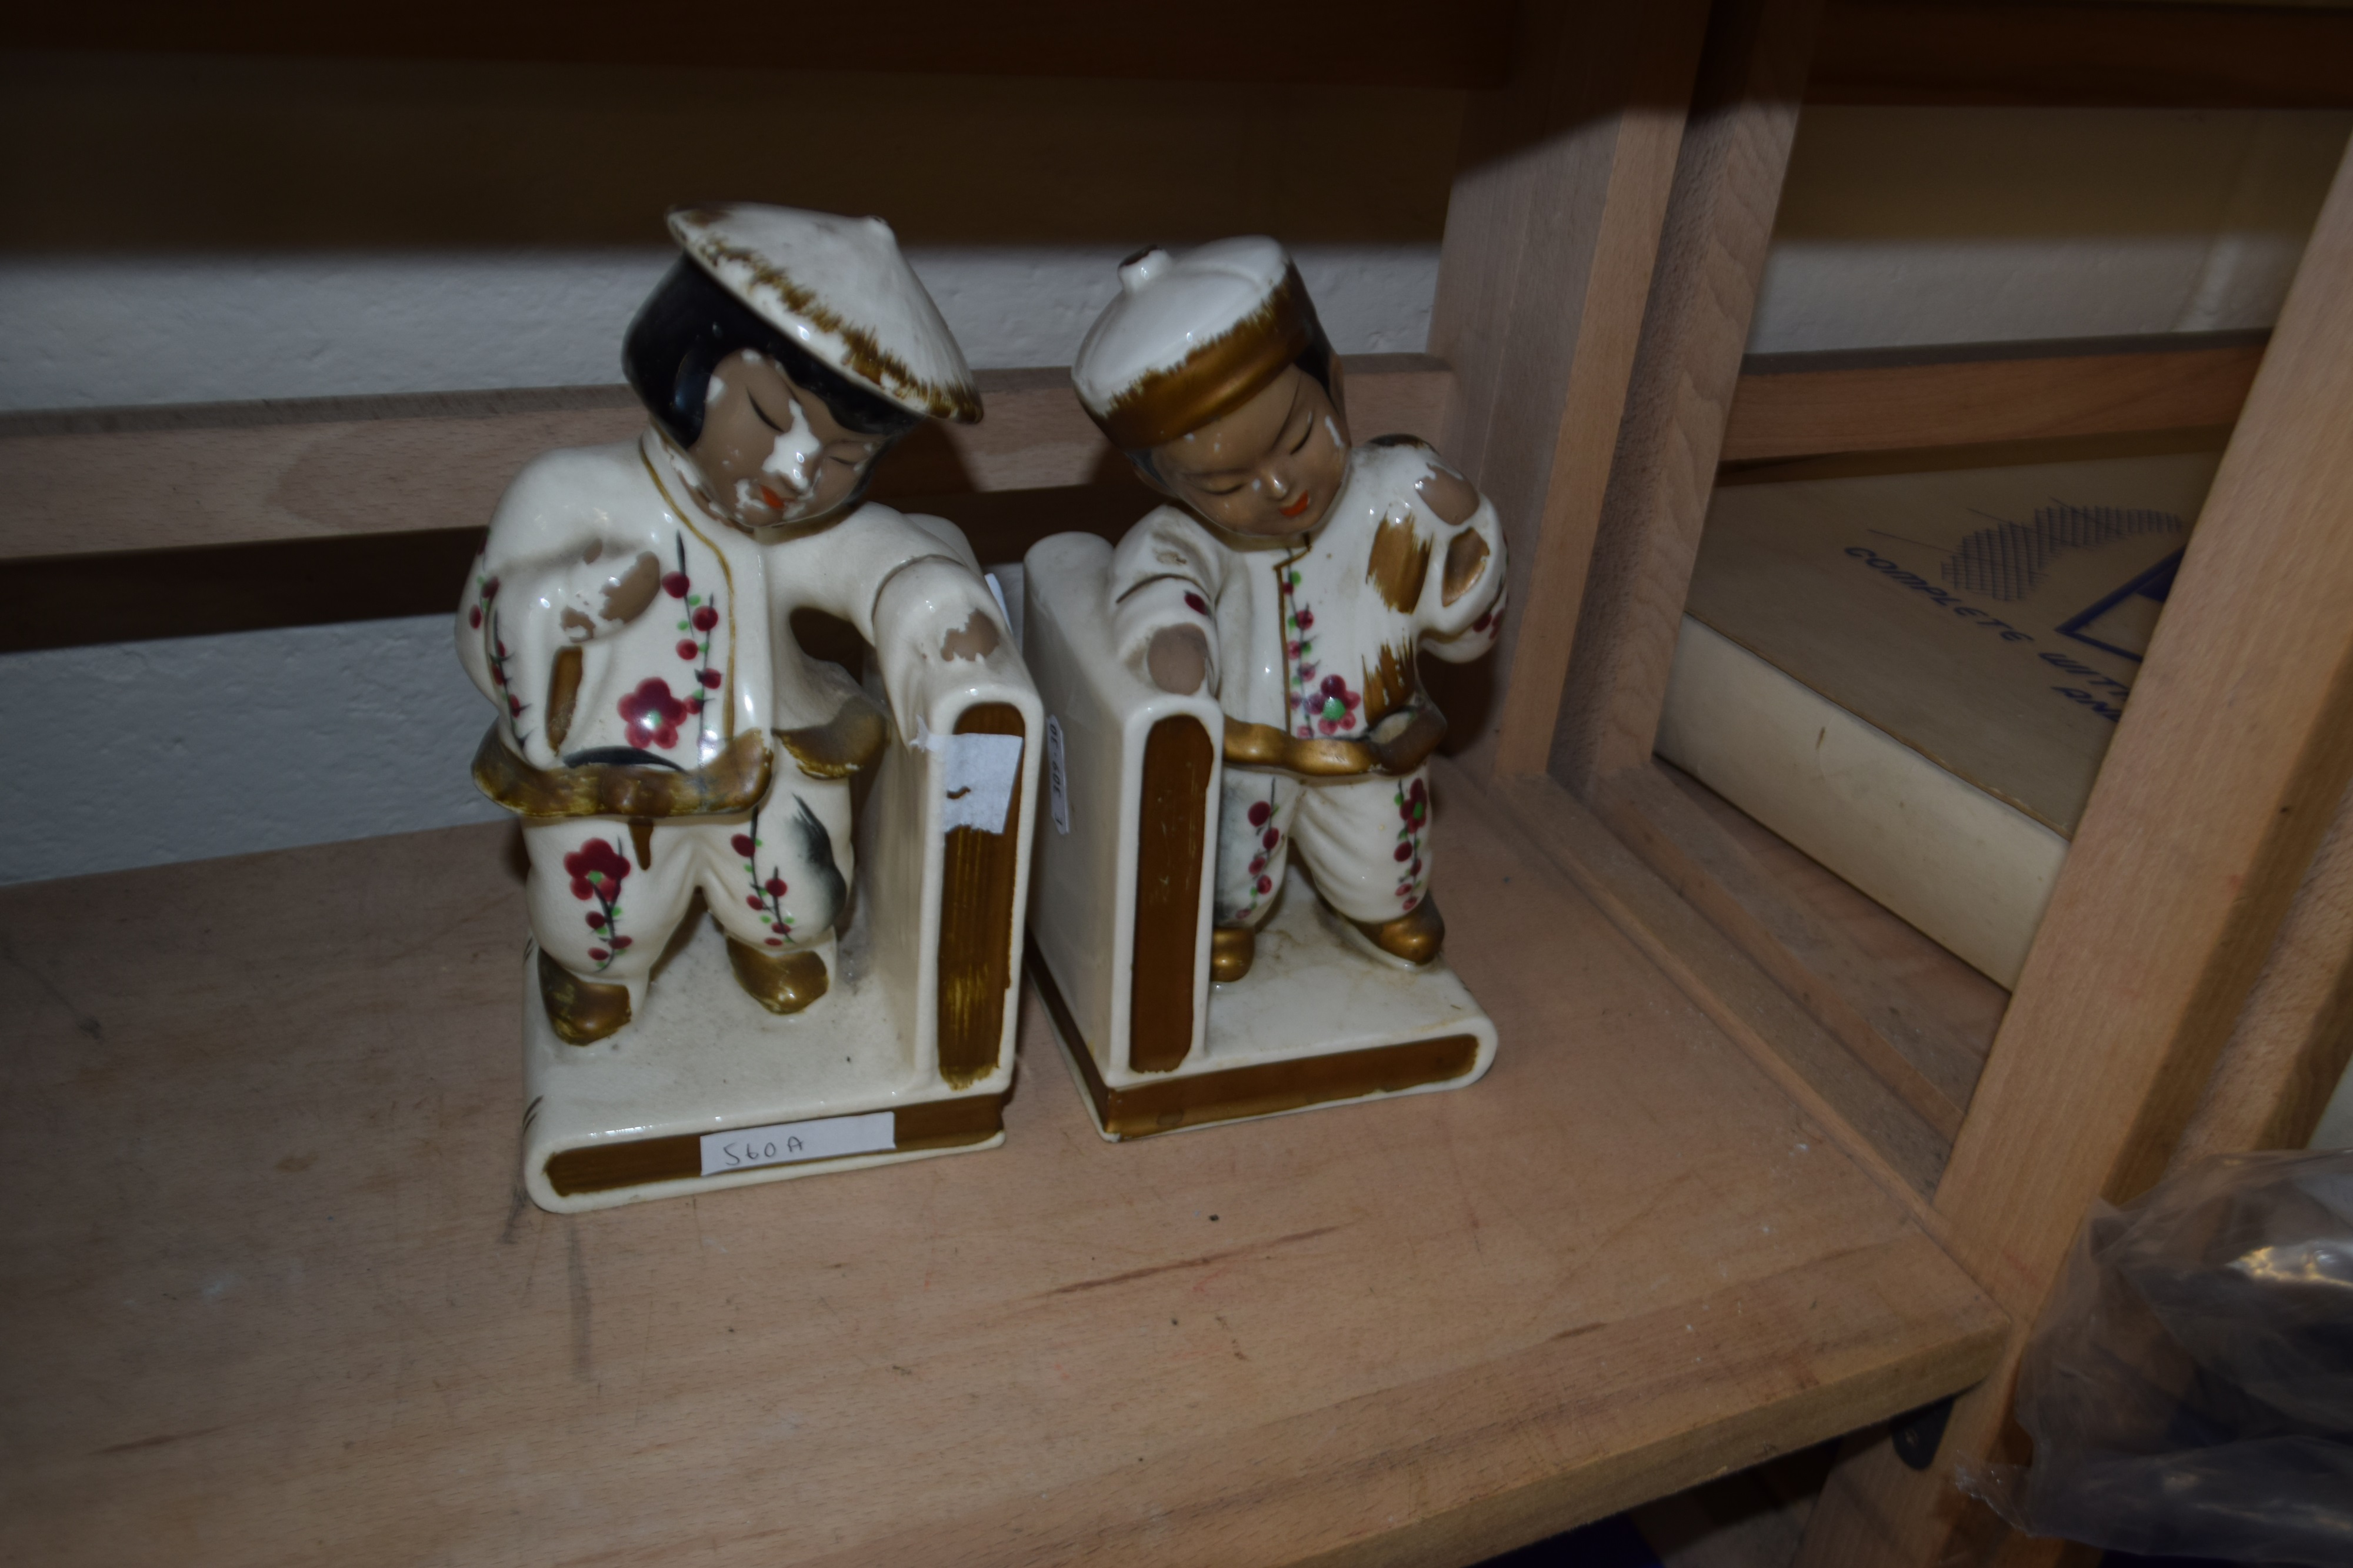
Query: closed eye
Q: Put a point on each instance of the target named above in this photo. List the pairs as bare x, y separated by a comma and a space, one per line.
1305, 430
763, 412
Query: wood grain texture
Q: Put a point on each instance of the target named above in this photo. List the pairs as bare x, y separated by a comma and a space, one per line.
1966, 1003
270, 1295
1549, 243
80, 482
1719, 224
2165, 56
2226, 770
1461, 45
2293, 1040
1790, 408
1893, 1033
1887, 1136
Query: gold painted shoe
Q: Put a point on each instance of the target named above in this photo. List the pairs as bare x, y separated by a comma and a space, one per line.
1232, 950
1414, 937
581, 1011
780, 982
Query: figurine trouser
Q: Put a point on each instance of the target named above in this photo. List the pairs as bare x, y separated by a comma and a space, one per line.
1365, 839
775, 878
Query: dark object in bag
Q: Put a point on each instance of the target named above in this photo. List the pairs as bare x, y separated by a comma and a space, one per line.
2190, 1384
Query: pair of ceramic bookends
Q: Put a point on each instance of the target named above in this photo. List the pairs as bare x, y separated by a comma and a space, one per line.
1237, 674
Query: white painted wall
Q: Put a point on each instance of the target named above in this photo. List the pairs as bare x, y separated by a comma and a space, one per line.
1899, 226
186, 748
98, 331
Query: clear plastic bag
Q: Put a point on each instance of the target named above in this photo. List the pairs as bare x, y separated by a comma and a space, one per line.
2189, 1386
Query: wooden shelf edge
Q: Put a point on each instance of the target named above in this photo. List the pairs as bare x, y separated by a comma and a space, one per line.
84, 482
1816, 1352
1794, 405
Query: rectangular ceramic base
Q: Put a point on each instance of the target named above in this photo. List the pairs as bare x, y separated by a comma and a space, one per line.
623, 1120
1315, 1021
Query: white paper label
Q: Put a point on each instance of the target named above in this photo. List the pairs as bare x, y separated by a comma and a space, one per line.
788, 1142
982, 770
1057, 783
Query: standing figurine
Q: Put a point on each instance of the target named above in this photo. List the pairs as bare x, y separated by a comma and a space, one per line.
664, 735
1292, 586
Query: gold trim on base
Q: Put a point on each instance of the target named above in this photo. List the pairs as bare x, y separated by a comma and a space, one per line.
1197, 1100
643, 1161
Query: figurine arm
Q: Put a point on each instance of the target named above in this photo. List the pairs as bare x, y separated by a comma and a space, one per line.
1462, 604
937, 636
1166, 577
554, 573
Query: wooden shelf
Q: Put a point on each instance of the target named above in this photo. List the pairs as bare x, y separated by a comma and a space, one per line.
328, 468
274, 1295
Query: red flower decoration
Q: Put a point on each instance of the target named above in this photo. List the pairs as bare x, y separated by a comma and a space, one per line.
689, 650
675, 584
775, 887
474, 617
596, 868
743, 845
756, 903
1306, 619
1265, 885
653, 714
776, 942
1259, 812
710, 678
599, 954
705, 618
1405, 851
596, 919
1272, 838
490, 592
1198, 604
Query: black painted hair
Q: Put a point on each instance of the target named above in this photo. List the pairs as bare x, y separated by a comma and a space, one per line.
691, 323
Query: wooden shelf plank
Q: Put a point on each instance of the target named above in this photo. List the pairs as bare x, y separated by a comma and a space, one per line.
1459, 45
80, 482
1895, 1035
2224, 56
1792, 405
270, 1294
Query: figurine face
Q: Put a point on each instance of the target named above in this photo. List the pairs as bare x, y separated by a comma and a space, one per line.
771, 451
1270, 468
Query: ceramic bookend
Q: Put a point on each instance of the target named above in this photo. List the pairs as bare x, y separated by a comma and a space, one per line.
774, 905
1234, 917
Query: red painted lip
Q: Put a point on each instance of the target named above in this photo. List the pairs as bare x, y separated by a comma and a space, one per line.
776, 502
1295, 508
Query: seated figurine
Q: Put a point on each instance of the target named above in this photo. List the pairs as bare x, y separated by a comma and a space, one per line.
660, 730
1286, 597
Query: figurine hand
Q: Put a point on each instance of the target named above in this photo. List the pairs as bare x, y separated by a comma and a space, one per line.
1466, 558
1448, 493
1177, 660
